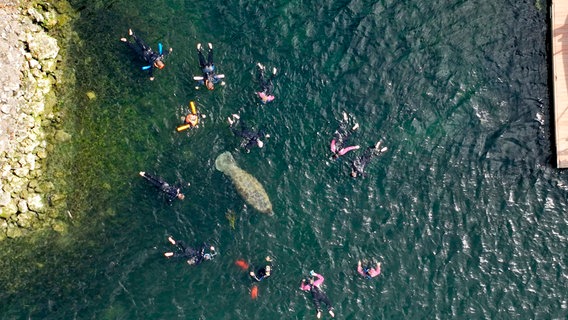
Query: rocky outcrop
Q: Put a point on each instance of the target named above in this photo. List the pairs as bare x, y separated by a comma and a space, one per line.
28, 119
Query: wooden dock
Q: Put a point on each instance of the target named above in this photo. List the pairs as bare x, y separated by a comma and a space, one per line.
559, 21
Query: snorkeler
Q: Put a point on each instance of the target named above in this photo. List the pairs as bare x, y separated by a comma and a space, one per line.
263, 272
340, 136
170, 191
250, 138
208, 77
154, 60
318, 296
369, 272
194, 257
359, 163
266, 84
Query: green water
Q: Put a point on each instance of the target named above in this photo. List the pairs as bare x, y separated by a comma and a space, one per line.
465, 210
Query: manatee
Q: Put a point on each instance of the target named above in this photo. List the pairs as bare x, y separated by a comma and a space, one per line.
247, 186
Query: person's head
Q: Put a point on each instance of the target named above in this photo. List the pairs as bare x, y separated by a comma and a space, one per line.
207, 256
159, 64
259, 143
209, 84
354, 174
181, 196
268, 270
192, 119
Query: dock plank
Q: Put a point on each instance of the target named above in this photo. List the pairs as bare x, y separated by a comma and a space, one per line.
559, 21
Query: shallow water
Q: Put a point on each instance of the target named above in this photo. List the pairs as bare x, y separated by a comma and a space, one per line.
465, 210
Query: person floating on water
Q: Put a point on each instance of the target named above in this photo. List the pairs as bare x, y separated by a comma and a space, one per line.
208, 78
171, 192
266, 84
367, 271
359, 163
192, 118
250, 137
154, 59
263, 272
340, 136
318, 296
194, 257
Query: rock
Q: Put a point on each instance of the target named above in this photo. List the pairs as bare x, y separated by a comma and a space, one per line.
42, 46
26, 220
35, 203
44, 187
9, 210
62, 136
5, 198
22, 172
59, 227
13, 231
22, 206
41, 153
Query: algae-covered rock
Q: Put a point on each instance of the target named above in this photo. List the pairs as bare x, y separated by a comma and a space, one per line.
62, 136
35, 203
9, 210
42, 46
13, 231
5, 198
26, 220
22, 207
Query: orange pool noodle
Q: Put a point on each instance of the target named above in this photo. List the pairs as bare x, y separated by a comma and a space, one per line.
183, 127
254, 292
242, 264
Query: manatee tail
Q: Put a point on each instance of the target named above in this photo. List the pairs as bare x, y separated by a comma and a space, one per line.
225, 161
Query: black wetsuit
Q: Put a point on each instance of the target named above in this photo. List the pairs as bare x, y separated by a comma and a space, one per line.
194, 256
359, 163
341, 134
207, 67
266, 83
171, 192
319, 297
260, 274
146, 53
250, 138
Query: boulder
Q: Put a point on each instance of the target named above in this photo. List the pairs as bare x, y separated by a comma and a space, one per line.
35, 203
5, 198
42, 46
22, 207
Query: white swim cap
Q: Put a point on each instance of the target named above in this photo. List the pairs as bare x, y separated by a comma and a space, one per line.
260, 143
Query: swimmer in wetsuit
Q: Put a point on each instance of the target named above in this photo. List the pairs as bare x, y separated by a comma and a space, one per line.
170, 191
266, 84
369, 272
262, 273
154, 59
250, 137
194, 257
208, 78
340, 136
359, 163
318, 296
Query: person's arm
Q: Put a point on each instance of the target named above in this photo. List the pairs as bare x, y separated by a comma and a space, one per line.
332, 146
375, 272
319, 279
253, 275
345, 150
360, 269
305, 286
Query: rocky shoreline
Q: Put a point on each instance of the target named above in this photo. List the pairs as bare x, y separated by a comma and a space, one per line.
30, 123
